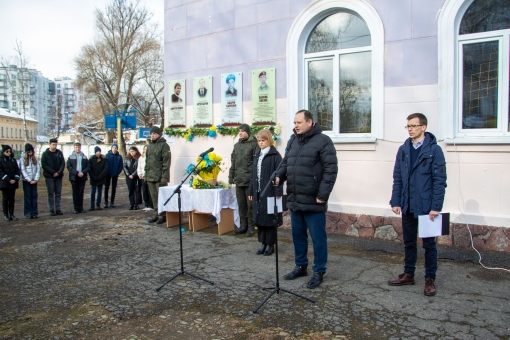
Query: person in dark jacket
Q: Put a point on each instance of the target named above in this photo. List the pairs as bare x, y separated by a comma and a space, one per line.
30, 168
78, 167
310, 167
264, 164
114, 169
157, 170
98, 171
53, 163
9, 178
240, 174
419, 184
133, 182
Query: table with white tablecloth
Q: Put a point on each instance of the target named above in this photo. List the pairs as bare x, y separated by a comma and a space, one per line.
199, 203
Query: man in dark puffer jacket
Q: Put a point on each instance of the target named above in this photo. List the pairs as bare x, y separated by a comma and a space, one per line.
310, 167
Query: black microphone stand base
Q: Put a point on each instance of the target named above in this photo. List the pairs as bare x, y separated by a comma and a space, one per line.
182, 273
277, 290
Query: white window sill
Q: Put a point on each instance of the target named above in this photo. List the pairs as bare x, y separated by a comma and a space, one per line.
477, 140
354, 143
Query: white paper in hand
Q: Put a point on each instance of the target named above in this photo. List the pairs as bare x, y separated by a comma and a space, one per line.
270, 205
428, 228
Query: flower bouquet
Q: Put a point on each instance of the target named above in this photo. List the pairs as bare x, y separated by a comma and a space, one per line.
208, 169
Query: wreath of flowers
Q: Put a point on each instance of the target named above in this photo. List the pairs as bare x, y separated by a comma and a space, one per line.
213, 131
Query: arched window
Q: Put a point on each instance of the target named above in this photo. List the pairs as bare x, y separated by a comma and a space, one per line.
338, 69
483, 57
474, 39
335, 68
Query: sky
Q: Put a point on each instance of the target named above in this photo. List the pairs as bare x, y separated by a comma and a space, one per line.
52, 32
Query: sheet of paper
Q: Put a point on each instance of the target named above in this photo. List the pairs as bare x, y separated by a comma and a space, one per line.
428, 228
270, 205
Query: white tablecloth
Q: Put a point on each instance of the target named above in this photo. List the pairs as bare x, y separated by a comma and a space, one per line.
203, 200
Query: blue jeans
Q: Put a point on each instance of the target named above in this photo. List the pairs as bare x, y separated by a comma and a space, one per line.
410, 231
99, 189
315, 223
30, 198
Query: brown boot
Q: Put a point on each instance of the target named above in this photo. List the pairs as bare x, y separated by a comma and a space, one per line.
430, 287
403, 279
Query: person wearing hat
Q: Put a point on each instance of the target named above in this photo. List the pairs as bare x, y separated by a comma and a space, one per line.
9, 178
97, 173
30, 169
157, 170
231, 82
52, 163
263, 79
133, 182
78, 167
114, 160
240, 174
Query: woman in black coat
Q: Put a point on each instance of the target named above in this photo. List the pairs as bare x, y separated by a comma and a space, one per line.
97, 173
133, 182
9, 181
264, 164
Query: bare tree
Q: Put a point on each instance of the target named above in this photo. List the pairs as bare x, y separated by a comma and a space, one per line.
20, 83
113, 65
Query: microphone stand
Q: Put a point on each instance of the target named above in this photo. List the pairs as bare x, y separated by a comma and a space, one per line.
276, 289
182, 271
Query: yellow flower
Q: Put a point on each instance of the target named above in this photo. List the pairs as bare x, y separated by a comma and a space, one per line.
277, 129
212, 128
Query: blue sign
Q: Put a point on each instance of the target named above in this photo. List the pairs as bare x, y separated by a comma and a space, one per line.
144, 133
127, 119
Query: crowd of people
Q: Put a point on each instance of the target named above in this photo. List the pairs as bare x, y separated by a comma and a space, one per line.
101, 170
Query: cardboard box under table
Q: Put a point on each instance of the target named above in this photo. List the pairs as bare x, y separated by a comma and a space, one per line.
199, 204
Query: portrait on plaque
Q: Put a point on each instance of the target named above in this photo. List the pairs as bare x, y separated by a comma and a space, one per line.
176, 113
202, 101
263, 96
232, 99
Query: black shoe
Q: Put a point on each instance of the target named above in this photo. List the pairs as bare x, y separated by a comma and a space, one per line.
136, 207
82, 210
92, 209
161, 220
131, 207
262, 249
99, 207
315, 281
250, 232
297, 272
13, 218
35, 216
76, 212
105, 205
52, 213
152, 219
269, 250
241, 230
58, 212
7, 218
112, 205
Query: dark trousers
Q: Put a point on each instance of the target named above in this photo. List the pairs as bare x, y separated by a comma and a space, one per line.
78, 192
134, 190
54, 187
30, 199
146, 195
267, 235
8, 198
314, 223
245, 211
410, 231
93, 189
154, 190
113, 181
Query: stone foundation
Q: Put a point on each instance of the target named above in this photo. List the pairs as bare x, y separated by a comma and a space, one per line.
390, 228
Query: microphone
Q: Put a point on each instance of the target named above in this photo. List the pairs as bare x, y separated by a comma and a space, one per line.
206, 152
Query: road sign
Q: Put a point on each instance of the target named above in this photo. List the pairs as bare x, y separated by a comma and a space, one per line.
127, 119
144, 133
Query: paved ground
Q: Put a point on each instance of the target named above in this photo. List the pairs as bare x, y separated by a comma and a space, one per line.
93, 276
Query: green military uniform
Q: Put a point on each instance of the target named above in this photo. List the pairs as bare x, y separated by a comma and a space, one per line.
157, 170
240, 174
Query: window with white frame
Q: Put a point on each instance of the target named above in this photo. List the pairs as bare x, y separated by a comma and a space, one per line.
335, 69
483, 67
338, 72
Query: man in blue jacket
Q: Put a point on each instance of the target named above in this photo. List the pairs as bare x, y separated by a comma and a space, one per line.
115, 165
419, 183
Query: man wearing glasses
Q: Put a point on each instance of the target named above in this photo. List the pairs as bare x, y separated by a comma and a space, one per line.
419, 183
